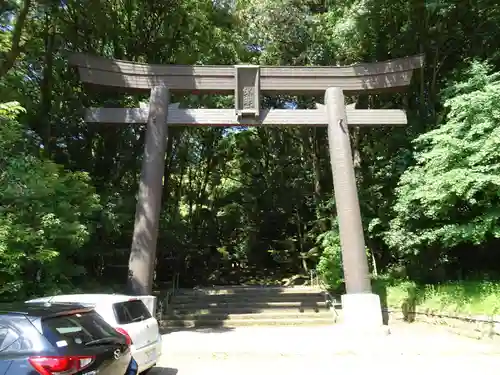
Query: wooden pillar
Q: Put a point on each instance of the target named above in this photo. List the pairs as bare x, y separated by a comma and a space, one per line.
354, 260
147, 215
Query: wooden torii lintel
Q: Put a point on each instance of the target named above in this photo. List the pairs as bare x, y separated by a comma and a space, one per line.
390, 75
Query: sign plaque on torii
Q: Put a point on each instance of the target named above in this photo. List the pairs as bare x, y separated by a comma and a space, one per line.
248, 82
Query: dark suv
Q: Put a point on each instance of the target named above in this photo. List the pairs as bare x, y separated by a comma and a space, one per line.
55, 339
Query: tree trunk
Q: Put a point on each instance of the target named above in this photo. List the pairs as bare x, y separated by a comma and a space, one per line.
43, 118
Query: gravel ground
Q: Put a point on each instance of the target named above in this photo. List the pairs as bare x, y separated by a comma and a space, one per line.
410, 348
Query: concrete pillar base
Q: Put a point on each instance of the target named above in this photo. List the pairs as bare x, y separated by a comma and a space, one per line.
362, 313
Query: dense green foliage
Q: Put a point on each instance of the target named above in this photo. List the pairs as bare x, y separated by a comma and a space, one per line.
250, 204
450, 196
465, 298
46, 214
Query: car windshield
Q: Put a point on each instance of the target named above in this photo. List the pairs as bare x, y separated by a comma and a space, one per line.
77, 329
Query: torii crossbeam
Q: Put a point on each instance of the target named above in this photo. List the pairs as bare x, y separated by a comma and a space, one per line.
248, 82
226, 117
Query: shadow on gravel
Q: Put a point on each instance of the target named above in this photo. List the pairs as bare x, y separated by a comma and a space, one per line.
163, 371
166, 331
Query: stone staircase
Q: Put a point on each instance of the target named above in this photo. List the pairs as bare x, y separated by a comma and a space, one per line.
237, 306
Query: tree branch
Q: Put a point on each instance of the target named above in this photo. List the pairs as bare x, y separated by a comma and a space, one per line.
16, 48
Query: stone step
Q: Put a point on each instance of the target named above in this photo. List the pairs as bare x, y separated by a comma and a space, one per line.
246, 323
199, 304
249, 290
247, 309
250, 298
251, 316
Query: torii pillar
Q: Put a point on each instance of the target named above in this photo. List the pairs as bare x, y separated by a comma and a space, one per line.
147, 213
360, 307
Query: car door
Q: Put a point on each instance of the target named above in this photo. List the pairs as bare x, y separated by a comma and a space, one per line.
134, 317
150, 324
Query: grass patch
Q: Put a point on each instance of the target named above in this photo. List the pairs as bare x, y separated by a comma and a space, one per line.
465, 297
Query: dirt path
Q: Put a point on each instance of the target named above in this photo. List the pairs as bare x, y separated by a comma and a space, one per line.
324, 350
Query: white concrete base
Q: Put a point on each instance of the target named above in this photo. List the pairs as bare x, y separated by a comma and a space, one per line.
362, 312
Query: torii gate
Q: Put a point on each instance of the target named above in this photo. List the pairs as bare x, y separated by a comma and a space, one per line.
248, 82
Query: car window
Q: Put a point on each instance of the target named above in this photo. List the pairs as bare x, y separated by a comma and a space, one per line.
131, 311
76, 329
8, 336
3, 335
